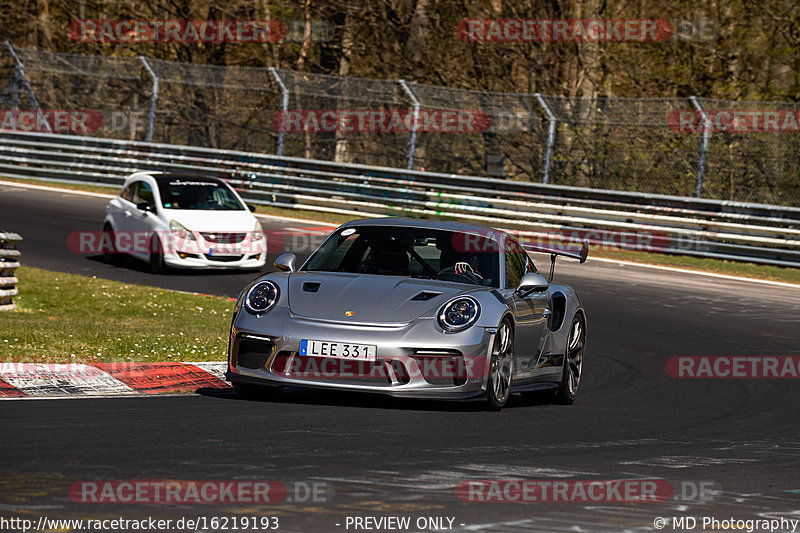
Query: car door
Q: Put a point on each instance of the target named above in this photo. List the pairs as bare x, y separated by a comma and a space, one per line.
141, 224
530, 312
119, 209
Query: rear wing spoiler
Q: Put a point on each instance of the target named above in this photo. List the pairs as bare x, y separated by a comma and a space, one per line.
567, 251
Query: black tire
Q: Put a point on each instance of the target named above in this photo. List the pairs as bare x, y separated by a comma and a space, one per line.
573, 362
501, 366
157, 265
111, 256
256, 392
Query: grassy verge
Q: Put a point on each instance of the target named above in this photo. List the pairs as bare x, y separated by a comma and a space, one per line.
733, 268
65, 318
65, 185
306, 214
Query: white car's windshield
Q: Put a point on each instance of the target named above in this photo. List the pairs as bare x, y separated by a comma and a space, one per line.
197, 194
415, 252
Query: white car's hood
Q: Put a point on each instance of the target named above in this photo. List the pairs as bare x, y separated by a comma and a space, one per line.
212, 221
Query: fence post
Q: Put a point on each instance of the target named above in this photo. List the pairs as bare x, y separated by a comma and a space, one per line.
19, 71
551, 137
412, 141
284, 108
9, 262
151, 113
701, 159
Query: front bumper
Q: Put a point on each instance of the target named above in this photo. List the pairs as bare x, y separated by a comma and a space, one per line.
185, 260
455, 366
202, 254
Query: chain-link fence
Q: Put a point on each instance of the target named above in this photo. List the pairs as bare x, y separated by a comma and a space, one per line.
623, 144
746, 151
80, 94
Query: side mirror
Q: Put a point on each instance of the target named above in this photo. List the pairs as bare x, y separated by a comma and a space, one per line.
143, 206
285, 262
251, 207
532, 282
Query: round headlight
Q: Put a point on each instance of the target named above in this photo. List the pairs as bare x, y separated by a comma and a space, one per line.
459, 313
261, 297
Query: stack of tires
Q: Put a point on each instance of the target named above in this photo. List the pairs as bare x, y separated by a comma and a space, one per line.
9, 263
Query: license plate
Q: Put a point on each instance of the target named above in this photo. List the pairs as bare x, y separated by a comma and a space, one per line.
338, 350
223, 252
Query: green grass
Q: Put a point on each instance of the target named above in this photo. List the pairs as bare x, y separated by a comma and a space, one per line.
65, 318
64, 185
733, 268
307, 214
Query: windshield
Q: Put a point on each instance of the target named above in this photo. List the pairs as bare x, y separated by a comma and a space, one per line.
197, 195
415, 252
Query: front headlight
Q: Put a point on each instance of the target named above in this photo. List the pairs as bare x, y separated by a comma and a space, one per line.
180, 230
459, 313
261, 297
258, 232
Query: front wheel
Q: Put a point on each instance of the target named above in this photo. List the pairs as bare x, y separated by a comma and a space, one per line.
501, 367
157, 264
110, 253
573, 362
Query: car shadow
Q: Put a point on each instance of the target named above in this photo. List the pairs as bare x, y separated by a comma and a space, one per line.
365, 400
130, 263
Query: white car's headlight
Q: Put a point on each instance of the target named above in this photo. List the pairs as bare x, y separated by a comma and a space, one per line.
459, 313
180, 230
261, 297
258, 232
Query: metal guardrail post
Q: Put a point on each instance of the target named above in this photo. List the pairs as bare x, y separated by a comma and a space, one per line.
551, 137
412, 141
701, 159
9, 262
151, 113
759, 233
284, 109
19, 69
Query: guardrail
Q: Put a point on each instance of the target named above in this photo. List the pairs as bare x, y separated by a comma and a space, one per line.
767, 234
9, 263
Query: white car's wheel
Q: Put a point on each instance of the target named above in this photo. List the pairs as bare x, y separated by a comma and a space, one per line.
156, 256
110, 254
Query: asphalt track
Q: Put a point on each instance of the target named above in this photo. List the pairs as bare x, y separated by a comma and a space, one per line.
381, 457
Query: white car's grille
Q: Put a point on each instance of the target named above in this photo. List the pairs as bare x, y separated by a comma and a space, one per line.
223, 238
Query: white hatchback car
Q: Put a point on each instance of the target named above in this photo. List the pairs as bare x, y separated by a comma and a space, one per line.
184, 221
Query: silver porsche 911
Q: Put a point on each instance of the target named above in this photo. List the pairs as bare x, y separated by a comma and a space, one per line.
410, 308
